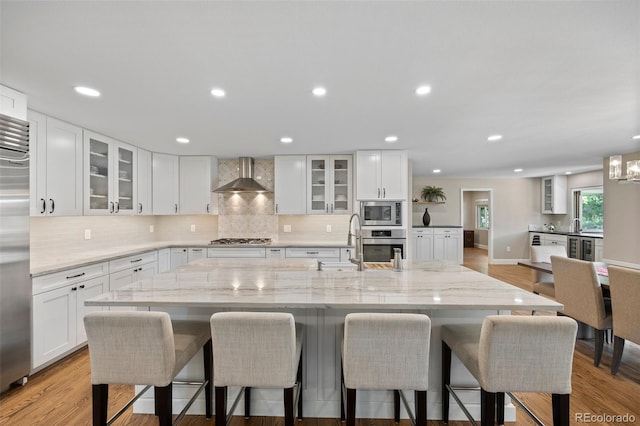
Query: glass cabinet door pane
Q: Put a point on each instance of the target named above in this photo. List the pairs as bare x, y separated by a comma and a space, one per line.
318, 185
125, 179
341, 185
98, 175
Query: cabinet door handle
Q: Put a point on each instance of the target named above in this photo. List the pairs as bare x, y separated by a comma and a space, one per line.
331, 207
208, 209
110, 206
82, 286
44, 206
117, 206
197, 250
53, 205
74, 288
327, 208
176, 208
378, 192
313, 252
139, 208
276, 208
75, 276
136, 261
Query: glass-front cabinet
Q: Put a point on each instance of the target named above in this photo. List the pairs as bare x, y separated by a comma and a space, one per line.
330, 180
110, 176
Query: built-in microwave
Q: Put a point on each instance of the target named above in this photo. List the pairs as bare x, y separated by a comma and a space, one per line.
381, 213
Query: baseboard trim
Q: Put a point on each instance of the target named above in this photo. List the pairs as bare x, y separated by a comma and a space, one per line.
481, 246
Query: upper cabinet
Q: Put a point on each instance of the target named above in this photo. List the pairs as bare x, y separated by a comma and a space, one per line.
290, 184
381, 175
143, 182
195, 185
329, 183
554, 195
166, 183
109, 176
55, 167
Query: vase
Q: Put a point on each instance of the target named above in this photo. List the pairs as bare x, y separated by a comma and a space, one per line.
426, 219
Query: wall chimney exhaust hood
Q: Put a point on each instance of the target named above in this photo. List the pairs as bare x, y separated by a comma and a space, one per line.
245, 181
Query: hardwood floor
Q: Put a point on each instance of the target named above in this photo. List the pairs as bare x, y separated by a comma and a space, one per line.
61, 394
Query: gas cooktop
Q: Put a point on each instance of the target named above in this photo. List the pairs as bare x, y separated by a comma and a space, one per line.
240, 241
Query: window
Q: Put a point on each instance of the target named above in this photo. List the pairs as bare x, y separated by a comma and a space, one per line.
482, 216
588, 206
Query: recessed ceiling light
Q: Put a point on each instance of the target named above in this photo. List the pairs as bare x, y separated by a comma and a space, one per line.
182, 140
494, 138
636, 137
218, 93
517, 170
436, 170
87, 91
319, 91
423, 90
391, 139
567, 173
286, 140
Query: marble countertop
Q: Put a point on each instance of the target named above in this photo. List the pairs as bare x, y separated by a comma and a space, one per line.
55, 262
437, 226
295, 283
577, 234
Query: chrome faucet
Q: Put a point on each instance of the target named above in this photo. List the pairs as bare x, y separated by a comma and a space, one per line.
355, 239
577, 225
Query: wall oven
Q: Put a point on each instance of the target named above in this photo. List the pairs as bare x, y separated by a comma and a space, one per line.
378, 244
381, 213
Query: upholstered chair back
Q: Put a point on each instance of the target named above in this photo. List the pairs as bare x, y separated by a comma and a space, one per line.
386, 351
578, 289
624, 284
526, 353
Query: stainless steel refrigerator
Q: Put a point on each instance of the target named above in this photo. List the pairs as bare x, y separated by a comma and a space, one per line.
15, 280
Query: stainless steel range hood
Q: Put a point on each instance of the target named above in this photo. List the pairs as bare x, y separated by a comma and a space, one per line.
245, 181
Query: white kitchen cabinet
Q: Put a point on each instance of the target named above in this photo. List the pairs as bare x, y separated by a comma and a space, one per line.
447, 244
127, 270
144, 183
598, 251
319, 253
381, 175
195, 185
275, 253
554, 195
179, 256
55, 167
549, 239
195, 253
58, 310
347, 253
13, 103
329, 182
290, 184
422, 244
166, 184
237, 252
164, 260
110, 173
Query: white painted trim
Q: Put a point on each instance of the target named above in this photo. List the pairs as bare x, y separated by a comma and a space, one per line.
620, 263
481, 246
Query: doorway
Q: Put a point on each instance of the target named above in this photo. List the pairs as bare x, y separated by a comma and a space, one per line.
476, 217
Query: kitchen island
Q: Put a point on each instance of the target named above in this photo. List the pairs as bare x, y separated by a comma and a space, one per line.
448, 293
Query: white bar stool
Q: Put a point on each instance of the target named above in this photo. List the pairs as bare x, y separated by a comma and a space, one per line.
256, 349
512, 354
386, 351
144, 348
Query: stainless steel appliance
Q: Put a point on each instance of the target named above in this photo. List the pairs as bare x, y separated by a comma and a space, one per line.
381, 213
240, 241
581, 248
15, 280
378, 244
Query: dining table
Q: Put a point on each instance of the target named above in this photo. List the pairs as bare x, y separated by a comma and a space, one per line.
547, 268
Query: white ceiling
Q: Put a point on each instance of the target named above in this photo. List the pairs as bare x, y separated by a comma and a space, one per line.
560, 80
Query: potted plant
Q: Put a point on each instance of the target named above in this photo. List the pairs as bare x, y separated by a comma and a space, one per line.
432, 194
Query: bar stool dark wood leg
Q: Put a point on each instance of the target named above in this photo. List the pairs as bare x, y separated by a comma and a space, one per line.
446, 380
351, 407
247, 402
163, 397
421, 408
396, 405
487, 407
208, 376
500, 407
221, 405
288, 406
100, 401
299, 378
560, 409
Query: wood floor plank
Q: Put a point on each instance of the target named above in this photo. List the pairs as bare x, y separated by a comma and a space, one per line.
61, 394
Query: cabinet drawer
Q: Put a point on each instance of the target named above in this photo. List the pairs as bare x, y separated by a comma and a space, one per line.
70, 276
313, 253
131, 261
276, 253
422, 232
237, 252
447, 231
554, 239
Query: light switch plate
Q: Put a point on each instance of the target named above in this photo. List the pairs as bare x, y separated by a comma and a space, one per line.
150, 228
87, 234
328, 228
287, 228
193, 228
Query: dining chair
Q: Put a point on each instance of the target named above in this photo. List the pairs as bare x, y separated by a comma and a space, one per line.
144, 348
256, 349
386, 351
579, 290
624, 285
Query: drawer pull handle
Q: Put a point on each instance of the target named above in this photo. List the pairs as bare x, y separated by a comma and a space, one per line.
44, 206
82, 286
313, 252
53, 205
74, 288
137, 260
196, 250
76, 276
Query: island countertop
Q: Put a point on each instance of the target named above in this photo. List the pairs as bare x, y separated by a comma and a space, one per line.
295, 283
